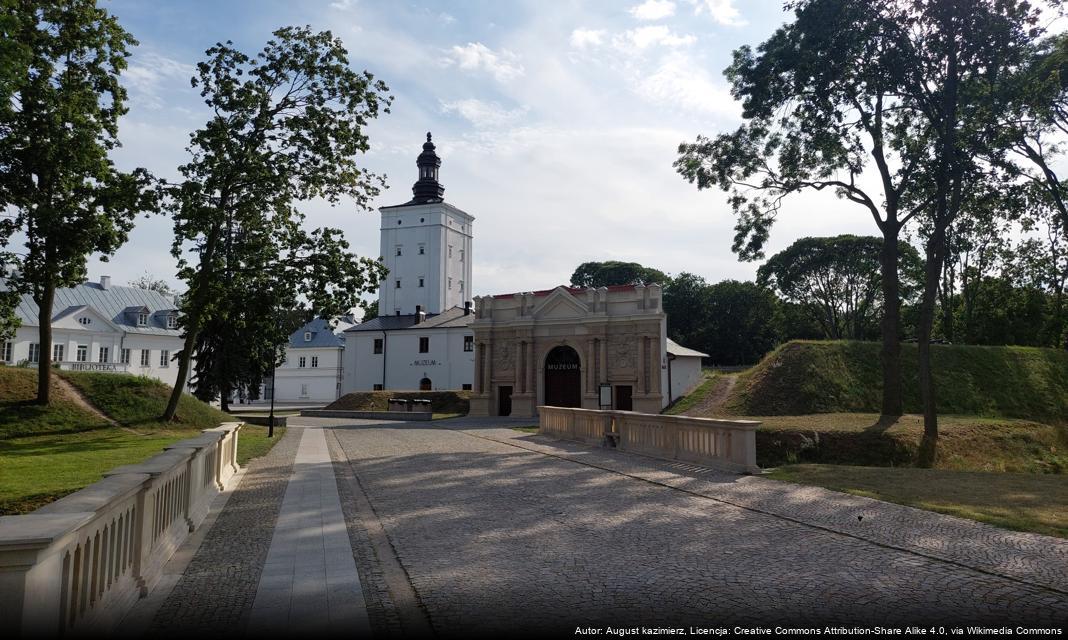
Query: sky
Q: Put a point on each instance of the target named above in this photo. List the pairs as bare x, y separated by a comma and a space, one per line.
557, 124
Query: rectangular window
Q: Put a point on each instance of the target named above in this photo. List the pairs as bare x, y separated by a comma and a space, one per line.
142, 319
378, 345
103, 355
420, 282
315, 361
461, 286
378, 387
164, 358
302, 361
469, 343
465, 387
450, 284
9, 348
83, 353
398, 284
35, 352
124, 356
172, 322
145, 357
424, 345
422, 249
450, 250
461, 255
398, 250
58, 351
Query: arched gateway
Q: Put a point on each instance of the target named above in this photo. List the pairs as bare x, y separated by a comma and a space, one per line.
563, 378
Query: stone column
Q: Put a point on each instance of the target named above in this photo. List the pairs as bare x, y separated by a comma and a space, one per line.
642, 366
590, 372
531, 372
519, 366
602, 365
481, 350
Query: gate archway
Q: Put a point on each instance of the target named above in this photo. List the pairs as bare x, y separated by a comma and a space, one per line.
425, 384
563, 378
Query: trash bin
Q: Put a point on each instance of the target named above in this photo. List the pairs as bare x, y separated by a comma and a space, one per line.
422, 406
397, 404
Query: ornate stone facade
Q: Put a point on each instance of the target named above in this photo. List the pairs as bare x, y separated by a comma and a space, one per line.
617, 335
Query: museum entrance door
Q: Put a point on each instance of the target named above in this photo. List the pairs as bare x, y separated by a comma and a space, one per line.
563, 378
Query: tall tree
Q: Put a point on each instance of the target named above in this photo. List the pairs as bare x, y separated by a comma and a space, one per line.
839, 279
58, 128
613, 272
288, 125
151, 283
822, 112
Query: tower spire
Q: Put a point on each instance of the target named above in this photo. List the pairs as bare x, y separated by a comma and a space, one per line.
427, 188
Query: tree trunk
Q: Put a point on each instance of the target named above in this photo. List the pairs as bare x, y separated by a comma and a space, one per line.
932, 275
891, 324
44, 355
184, 357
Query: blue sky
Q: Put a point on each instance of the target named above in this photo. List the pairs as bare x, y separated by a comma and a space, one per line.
557, 123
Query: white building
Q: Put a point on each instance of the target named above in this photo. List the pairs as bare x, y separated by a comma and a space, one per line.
100, 327
684, 369
422, 338
312, 371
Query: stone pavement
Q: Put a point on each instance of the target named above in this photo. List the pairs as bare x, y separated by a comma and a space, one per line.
496, 537
309, 583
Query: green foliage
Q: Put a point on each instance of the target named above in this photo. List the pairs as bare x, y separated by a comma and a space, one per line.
150, 283
289, 125
838, 281
370, 310
612, 272
826, 377
59, 126
734, 322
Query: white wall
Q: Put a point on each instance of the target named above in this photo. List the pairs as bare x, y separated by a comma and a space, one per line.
447, 365
685, 375
294, 383
436, 227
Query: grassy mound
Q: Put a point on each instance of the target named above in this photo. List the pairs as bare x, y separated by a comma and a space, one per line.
440, 401
804, 377
137, 400
19, 416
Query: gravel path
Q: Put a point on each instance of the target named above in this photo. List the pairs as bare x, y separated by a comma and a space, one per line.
215, 594
709, 405
496, 538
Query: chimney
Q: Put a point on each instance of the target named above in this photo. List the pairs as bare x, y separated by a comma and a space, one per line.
467, 307
105, 282
419, 315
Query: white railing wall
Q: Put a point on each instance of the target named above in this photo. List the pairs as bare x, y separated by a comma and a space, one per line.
723, 444
78, 564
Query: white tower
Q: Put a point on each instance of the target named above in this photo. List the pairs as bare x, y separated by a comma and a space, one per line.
426, 245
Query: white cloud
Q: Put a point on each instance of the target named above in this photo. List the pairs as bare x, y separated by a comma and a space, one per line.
475, 56
446, 18
679, 81
653, 35
722, 11
653, 10
581, 38
150, 74
482, 114
343, 5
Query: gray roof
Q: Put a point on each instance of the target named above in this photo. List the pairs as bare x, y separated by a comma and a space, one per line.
321, 335
676, 349
450, 318
114, 303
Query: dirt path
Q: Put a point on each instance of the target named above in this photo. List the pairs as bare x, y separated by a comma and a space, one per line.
711, 403
75, 396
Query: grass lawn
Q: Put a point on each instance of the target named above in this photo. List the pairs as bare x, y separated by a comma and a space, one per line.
531, 429
137, 401
36, 470
252, 442
1020, 501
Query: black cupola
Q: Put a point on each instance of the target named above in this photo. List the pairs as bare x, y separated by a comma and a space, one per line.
427, 188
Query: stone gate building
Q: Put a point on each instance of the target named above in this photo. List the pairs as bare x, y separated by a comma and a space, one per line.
559, 347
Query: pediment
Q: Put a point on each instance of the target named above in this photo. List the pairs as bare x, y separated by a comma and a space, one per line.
70, 317
560, 304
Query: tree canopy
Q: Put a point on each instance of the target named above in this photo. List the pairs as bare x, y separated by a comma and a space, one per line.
612, 272
289, 125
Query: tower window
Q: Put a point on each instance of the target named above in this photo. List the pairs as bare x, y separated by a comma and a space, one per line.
422, 249
461, 286
450, 284
398, 250
399, 221
398, 284
461, 255
450, 250
420, 282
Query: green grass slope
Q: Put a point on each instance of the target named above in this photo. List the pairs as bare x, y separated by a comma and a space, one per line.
805, 377
440, 401
20, 416
137, 400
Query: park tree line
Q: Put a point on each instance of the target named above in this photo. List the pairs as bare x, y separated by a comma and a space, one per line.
284, 125
928, 115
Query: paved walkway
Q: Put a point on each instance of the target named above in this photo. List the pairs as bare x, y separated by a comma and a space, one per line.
309, 583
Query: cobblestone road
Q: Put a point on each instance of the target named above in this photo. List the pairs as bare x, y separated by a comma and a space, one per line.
498, 538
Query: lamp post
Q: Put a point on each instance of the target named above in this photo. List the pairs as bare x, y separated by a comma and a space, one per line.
270, 418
